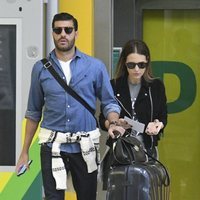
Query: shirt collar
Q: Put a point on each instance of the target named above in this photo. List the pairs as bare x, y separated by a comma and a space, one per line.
78, 54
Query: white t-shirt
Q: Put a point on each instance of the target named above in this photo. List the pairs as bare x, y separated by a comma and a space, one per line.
66, 69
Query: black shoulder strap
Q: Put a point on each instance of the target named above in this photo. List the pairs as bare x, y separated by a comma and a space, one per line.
47, 64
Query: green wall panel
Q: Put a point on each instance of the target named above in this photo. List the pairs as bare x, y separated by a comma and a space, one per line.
173, 38
23, 187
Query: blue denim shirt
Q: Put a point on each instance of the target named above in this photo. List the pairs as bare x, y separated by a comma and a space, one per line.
61, 112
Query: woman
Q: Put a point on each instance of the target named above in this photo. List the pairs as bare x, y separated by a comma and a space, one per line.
140, 95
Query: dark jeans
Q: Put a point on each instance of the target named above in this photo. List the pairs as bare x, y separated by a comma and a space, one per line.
85, 184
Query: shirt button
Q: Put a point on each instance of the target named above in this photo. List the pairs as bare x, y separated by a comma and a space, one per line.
68, 120
68, 106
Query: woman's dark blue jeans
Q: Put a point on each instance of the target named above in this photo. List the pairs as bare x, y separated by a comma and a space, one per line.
85, 184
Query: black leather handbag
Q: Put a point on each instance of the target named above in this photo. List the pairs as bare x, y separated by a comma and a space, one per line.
128, 150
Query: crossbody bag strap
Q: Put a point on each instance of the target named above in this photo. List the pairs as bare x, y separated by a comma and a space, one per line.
47, 64
151, 101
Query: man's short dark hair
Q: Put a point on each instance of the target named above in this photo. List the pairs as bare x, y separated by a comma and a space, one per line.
65, 17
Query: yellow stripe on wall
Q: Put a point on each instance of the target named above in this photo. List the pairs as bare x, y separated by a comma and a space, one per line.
83, 12
4, 177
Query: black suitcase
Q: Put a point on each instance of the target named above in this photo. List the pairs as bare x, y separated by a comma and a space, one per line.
147, 181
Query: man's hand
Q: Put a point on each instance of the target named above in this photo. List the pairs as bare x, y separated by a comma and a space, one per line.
115, 129
23, 160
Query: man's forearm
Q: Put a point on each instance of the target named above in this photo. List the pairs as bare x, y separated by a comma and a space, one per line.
31, 127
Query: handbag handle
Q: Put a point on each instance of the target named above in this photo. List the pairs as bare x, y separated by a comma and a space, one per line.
167, 180
47, 64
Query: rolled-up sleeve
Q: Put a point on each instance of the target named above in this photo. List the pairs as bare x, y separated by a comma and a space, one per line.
111, 108
36, 96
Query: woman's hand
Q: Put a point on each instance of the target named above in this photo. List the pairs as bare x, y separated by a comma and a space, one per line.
124, 124
153, 128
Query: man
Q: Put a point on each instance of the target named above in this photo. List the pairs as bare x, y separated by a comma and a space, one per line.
64, 117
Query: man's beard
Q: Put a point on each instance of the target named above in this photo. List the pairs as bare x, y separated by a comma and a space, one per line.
65, 48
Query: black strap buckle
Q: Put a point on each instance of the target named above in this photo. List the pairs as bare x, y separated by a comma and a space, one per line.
47, 65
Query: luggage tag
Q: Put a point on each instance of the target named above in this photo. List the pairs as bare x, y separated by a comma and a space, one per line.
137, 126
